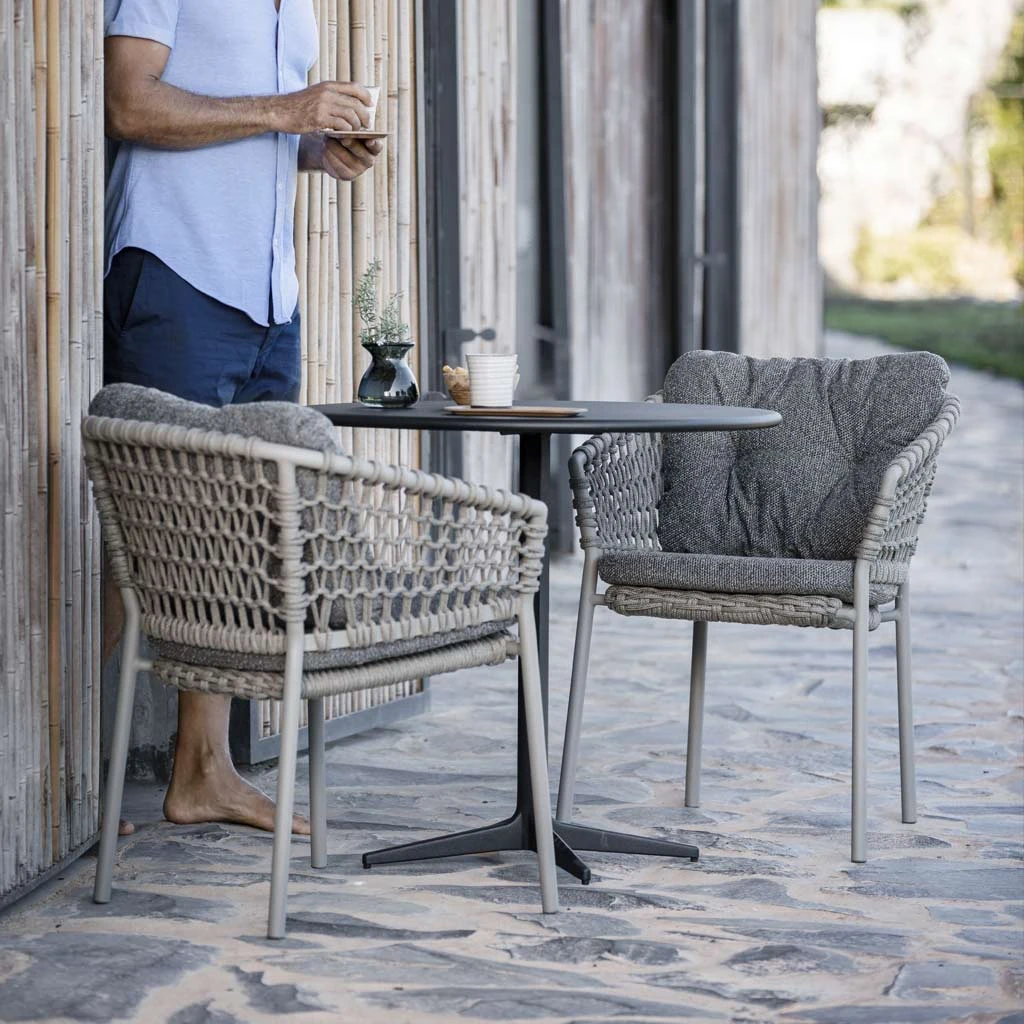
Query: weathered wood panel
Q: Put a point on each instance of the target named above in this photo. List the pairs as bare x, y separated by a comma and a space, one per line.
780, 280
487, 201
51, 174
617, 167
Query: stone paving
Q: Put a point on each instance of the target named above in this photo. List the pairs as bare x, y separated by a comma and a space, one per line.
773, 924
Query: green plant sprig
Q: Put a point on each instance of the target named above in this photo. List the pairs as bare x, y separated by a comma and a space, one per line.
385, 325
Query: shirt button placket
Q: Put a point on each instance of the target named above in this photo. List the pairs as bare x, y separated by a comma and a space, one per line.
282, 146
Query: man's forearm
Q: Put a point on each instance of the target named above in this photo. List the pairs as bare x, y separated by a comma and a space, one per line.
162, 115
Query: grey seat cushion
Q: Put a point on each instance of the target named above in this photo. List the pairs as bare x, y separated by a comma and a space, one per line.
802, 489
318, 661
277, 422
734, 574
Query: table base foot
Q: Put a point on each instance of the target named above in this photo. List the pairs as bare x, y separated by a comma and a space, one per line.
599, 840
517, 833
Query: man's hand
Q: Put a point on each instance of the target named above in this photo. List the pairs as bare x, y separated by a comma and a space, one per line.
337, 106
343, 159
346, 159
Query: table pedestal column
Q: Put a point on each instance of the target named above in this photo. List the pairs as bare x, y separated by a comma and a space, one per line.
517, 832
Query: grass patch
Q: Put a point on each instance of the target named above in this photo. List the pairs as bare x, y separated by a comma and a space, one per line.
985, 335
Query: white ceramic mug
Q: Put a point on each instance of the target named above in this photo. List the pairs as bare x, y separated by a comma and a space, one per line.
492, 379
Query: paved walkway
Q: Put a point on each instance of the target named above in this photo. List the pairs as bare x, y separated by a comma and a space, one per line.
773, 924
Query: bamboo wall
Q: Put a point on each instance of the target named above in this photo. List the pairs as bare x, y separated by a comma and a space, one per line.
341, 226
51, 232
780, 279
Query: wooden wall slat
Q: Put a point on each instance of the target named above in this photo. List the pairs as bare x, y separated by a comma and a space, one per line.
780, 280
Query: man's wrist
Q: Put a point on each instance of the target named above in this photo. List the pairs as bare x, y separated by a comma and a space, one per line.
275, 114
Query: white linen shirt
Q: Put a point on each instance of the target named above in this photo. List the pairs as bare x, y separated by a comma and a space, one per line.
219, 216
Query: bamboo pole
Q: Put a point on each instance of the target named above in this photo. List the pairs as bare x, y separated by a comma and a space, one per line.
301, 256
362, 195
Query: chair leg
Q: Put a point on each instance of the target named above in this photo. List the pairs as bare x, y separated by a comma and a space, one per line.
577, 686
280, 863
905, 704
538, 756
695, 725
317, 785
858, 816
118, 751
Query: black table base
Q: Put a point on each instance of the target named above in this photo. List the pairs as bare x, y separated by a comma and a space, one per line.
517, 832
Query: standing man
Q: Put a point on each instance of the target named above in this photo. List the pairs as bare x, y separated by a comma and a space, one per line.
209, 103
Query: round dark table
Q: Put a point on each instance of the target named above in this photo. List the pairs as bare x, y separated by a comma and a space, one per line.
517, 831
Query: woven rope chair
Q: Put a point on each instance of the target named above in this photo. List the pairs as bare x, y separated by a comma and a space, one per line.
617, 486
262, 570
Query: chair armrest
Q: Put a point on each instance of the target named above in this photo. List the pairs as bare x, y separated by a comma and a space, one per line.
890, 535
400, 551
616, 487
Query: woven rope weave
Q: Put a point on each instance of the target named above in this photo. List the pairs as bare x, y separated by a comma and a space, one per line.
226, 540
261, 685
753, 609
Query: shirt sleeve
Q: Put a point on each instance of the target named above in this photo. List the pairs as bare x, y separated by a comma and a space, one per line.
144, 19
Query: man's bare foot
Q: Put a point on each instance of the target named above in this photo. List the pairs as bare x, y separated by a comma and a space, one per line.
125, 828
213, 791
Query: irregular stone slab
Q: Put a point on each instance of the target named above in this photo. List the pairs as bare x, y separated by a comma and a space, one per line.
140, 904
686, 981
919, 981
886, 1013
84, 977
915, 878
578, 950
964, 915
341, 925
845, 937
272, 999
202, 1013
407, 964
528, 1004
571, 896
583, 924
788, 958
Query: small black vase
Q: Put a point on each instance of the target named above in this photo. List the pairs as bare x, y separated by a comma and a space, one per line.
388, 382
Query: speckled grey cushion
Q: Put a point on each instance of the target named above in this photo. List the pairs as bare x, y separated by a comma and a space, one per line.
277, 422
733, 574
317, 661
802, 489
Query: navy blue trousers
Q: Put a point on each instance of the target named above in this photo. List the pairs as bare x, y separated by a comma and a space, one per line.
161, 332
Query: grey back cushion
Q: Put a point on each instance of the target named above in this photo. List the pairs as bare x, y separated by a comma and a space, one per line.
803, 489
277, 422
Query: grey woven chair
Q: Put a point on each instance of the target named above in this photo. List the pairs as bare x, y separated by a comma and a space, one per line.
264, 570
812, 523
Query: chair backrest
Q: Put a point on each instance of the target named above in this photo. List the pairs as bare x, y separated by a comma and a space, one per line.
224, 538
803, 489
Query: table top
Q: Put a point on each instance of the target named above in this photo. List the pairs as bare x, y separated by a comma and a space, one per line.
600, 417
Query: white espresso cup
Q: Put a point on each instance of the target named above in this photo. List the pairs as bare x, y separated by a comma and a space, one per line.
374, 91
492, 379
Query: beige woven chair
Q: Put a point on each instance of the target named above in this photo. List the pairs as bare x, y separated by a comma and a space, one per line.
620, 499
261, 570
